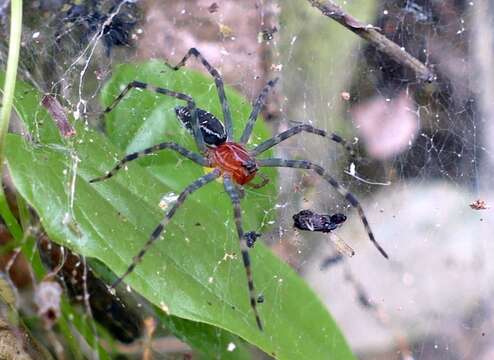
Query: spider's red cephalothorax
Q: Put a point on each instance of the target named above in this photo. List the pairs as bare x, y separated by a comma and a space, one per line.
232, 158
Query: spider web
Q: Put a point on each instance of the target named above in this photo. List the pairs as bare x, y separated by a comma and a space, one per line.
427, 146
65, 53
425, 149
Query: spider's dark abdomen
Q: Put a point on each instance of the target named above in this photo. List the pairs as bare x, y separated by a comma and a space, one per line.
234, 159
311, 221
212, 129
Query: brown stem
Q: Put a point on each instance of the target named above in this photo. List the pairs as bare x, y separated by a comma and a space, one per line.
369, 33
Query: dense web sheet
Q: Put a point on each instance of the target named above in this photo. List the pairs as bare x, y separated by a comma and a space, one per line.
424, 153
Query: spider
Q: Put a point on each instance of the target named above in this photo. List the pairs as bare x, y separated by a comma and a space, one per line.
229, 159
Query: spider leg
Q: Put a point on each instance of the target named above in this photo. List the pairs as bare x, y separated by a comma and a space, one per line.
150, 150
304, 164
196, 185
227, 116
237, 211
258, 104
275, 140
191, 105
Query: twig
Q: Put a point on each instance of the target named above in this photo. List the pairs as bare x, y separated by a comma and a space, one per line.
369, 33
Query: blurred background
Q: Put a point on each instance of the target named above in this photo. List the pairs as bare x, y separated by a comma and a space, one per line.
424, 167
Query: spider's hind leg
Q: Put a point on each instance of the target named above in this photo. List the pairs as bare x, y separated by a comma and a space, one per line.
244, 247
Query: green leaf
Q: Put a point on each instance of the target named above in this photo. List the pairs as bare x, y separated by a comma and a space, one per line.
204, 338
194, 272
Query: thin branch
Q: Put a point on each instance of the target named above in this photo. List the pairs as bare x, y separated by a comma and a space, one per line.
381, 42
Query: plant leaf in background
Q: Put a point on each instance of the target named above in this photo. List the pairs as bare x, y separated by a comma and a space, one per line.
194, 272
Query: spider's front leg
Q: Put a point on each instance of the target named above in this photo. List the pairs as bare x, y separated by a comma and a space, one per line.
198, 159
256, 108
191, 106
244, 247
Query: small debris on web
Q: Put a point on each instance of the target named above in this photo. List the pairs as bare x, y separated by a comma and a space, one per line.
57, 112
47, 298
111, 290
266, 34
479, 205
250, 238
345, 95
214, 7
167, 200
276, 67
73, 226
341, 246
165, 308
225, 30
